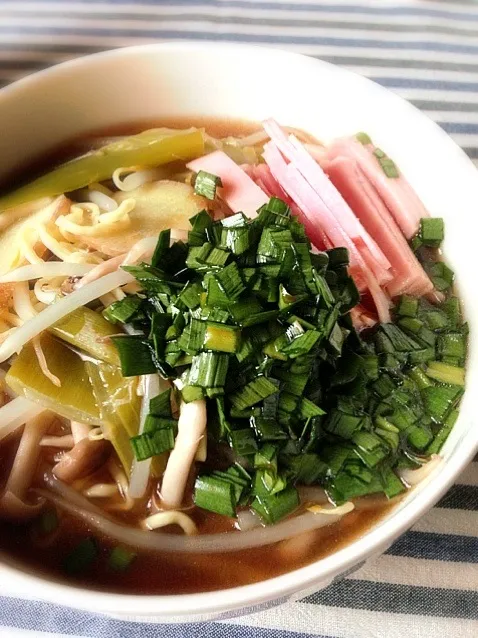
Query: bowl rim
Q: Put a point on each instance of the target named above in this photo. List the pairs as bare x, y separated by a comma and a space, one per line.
376, 540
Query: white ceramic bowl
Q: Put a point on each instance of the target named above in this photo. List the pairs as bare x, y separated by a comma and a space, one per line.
157, 81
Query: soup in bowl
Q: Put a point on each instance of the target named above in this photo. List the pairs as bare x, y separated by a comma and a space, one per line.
232, 350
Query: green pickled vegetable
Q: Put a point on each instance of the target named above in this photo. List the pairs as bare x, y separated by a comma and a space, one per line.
88, 331
119, 406
149, 148
74, 400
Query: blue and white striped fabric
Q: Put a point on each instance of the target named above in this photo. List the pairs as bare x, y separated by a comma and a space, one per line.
427, 583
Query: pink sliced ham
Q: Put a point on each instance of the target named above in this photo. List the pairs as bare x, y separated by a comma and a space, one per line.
363, 199
321, 225
397, 194
238, 190
361, 318
331, 199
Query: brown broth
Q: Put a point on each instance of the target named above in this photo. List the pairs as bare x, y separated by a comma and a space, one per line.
164, 573
180, 573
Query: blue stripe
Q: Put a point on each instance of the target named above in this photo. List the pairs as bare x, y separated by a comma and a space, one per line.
243, 37
56, 619
445, 547
319, 8
461, 497
441, 85
399, 599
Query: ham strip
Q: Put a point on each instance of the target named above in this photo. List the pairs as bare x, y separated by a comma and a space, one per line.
321, 226
409, 276
238, 190
397, 194
331, 200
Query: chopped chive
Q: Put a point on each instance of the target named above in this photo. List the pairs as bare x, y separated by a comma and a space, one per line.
48, 521
253, 392
81, 558
446, 373
452, 344
252, 321
309, 409
191, 393
215, 495
135, 354
209, 370
408, 306
161, 248
221, 337
152, 443
442, 434
120, 559
205, 184
363, 138
273, 508
122, 311
243, 442
432, 231
160, 405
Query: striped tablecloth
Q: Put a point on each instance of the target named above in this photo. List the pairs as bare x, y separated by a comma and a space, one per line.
426, 585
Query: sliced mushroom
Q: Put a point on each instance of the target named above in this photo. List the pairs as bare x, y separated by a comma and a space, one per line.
83, 459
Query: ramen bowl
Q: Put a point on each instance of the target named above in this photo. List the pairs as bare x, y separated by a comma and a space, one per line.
164, 81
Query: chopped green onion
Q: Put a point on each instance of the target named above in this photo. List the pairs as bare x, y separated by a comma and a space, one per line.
123, 310
432, 231
160, 405
230, 281
162, 248
253, 392
445, 373
267, 429
120, 559
309, 409
273, 508
205, 184
388, 166
243, 442
215, 495
363, 138
408, 306
209, 370
48, 521
439, 400
152, 443
81, 558
135, 354
452, 344
221, 337
442, 434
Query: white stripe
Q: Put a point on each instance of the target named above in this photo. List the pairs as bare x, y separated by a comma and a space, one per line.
419, 573
415, 74
440, 520
356, 623
469, 476
318, 50
458, 7
438, 95
231, 12
224, 27
460, 117
465, 140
